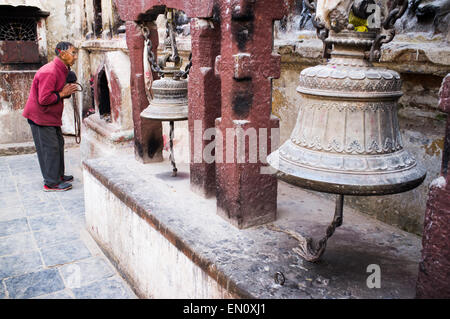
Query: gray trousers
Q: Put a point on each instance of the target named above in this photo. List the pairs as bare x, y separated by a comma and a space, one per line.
49, 143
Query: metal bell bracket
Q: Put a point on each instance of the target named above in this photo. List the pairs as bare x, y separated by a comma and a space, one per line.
309, 249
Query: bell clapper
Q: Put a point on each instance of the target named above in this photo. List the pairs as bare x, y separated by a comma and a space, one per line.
172, 158
338, 214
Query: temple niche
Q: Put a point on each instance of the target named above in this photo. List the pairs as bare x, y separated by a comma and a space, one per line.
420, 52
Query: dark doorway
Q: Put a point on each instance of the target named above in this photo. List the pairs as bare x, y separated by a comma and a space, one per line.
104, 103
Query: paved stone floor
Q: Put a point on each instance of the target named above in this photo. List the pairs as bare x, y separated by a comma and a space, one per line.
45, 249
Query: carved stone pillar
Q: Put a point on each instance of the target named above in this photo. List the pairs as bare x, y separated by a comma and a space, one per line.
245, 196
148, 141
434, 267
204, 102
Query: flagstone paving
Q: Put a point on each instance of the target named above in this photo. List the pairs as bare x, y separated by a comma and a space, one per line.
45, 249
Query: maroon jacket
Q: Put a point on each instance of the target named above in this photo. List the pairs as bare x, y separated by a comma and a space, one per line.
44, 107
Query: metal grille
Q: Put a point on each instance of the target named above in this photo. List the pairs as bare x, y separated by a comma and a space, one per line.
17, 29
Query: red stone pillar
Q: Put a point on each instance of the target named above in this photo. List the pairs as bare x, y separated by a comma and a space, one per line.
434, 268
204, 102
148, 141
245, 197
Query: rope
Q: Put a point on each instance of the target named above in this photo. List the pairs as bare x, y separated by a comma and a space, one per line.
308, 249
76, 120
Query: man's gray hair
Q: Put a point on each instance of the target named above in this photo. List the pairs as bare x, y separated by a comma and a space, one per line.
62, 46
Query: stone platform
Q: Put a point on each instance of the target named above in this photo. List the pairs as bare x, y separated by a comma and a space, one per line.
169, 242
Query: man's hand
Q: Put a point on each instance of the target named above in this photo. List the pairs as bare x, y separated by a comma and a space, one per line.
68, 90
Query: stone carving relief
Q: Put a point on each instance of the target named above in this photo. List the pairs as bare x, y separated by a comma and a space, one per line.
429, 16
333, 13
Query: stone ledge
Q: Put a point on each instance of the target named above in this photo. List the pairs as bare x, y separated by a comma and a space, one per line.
17, 72
17, 148
244, 261
108, 131
29, 148
103, 45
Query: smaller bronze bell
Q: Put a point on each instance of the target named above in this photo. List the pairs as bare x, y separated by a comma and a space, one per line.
170, 92
170, 100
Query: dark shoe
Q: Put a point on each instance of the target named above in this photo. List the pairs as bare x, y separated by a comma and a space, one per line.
67, 178
61, 187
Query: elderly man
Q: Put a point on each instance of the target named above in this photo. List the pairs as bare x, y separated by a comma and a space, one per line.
44, 110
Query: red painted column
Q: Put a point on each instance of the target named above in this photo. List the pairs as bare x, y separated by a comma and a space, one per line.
245, 196
148, 141
434, 268
204, 102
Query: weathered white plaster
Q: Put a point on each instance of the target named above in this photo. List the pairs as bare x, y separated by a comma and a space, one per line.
41, 31
64, 22
13, 127
15, 3
107, 18
119, 63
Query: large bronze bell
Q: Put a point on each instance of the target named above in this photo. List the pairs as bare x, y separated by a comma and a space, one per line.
347, 139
